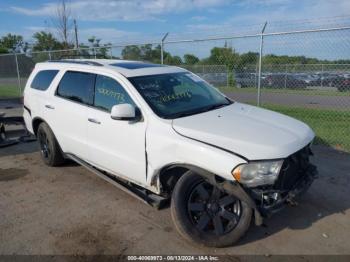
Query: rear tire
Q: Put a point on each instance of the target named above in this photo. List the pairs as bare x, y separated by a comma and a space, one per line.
204, 214
50, 150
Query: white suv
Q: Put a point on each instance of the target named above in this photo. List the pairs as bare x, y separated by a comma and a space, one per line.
163, 133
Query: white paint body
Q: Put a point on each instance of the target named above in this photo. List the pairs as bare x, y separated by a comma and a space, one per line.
216, 141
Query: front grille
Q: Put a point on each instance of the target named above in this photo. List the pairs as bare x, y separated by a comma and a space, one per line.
293, 168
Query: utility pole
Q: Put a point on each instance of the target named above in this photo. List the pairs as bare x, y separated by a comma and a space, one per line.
76, 34
162, 48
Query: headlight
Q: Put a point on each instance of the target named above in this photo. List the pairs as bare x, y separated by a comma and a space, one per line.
258, 173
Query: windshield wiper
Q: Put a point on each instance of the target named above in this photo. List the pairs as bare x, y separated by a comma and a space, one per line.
198, 111
212, 107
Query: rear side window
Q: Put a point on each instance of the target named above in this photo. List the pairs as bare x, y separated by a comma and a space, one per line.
77, 86
43, 79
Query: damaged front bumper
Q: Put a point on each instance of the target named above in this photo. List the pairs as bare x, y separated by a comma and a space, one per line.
295, 177
272, 199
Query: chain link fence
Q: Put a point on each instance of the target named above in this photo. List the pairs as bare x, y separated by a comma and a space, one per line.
304, 74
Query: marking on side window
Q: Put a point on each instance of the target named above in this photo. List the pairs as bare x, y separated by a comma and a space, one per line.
118, 96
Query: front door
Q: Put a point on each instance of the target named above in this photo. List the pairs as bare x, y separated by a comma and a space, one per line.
117, 146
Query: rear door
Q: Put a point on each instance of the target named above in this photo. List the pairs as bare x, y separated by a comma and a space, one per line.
35, 94
66, 111
117, 146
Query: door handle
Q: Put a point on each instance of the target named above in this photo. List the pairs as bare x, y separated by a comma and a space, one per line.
49, 106
94, 121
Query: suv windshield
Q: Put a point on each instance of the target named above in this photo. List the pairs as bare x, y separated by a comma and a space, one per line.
178, 94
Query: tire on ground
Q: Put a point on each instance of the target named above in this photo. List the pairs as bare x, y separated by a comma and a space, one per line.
55, 157
183, 224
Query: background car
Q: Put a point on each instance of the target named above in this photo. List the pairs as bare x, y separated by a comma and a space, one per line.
285, 81
342, 83
247, 79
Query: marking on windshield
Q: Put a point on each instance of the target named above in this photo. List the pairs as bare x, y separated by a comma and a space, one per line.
175, 97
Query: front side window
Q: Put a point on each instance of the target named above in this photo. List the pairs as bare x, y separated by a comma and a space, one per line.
43, 79
108, 92
77, 86
178, 94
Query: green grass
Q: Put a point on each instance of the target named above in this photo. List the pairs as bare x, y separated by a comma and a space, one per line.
332, 127
308, 92
9, 91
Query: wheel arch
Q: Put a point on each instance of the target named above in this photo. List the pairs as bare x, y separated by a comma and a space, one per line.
171, 173
35, 124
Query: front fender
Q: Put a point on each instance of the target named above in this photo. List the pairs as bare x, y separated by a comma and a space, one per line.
165, 148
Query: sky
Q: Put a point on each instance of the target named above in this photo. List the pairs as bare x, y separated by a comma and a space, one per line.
129, 21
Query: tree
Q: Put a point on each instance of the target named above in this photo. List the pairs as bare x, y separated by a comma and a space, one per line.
94, 42
3, 50
172, 60
64, 23
190, 59
45, 41
224, 55
131, 52
247, 59
100, 51
156, 55
10, 42
147, 52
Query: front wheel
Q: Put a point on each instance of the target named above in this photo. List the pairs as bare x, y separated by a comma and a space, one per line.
204, 214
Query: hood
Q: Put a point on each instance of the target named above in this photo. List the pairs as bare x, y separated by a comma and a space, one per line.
248, 131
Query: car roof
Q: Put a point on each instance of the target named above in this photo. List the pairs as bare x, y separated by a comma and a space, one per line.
127, 68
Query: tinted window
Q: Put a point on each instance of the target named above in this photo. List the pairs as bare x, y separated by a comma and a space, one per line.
77, 86
43, 79
109, 92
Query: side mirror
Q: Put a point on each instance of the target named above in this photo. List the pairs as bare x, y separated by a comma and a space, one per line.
123, 112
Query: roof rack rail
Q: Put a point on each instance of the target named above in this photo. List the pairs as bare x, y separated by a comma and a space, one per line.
83, 62
82, 56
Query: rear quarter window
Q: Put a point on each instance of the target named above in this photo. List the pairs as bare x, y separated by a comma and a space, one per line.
43, 79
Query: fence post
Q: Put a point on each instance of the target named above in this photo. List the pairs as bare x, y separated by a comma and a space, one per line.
162, 48
49, 55
260, 59
285, 77
111, 53
322, 68
18, 76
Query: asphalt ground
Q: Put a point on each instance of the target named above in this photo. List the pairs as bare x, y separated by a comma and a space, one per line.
68, 210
